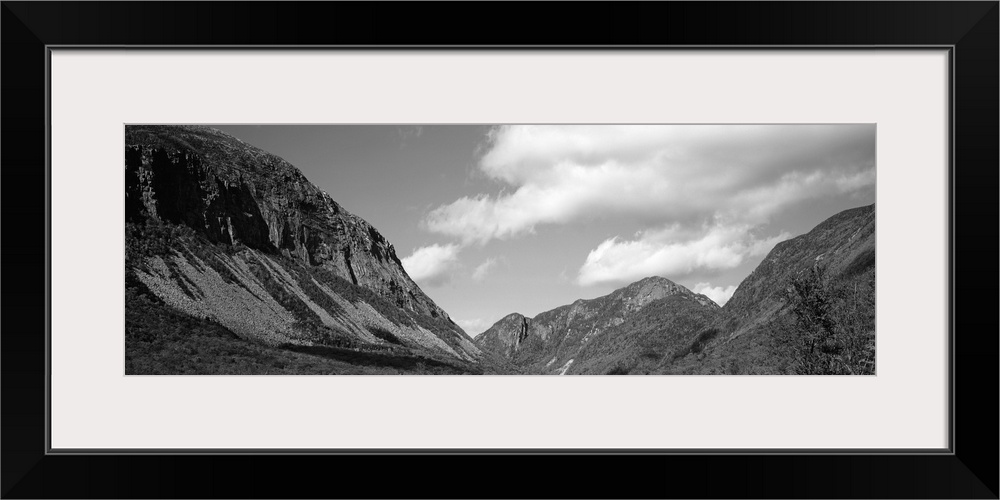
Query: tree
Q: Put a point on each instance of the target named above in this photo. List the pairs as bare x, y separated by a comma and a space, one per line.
834, 325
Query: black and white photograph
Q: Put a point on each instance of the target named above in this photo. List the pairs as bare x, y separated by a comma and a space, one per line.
510, 249
317, 194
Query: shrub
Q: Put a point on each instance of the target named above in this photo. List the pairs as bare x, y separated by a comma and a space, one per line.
703, 339
385, 335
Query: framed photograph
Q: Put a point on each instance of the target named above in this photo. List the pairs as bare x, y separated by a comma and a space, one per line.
290, 238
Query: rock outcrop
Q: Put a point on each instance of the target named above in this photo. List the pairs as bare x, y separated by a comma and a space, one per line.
505, 336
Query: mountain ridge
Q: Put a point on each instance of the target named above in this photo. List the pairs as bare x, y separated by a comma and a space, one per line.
549, 341
751, 336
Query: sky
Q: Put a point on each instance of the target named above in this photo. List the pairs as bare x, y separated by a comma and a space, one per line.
491, 220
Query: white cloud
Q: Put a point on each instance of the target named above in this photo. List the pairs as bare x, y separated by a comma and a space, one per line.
659, 174
718, 294
474, 326
482, 270
673, 252
432, 265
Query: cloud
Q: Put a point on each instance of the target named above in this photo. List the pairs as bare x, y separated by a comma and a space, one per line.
655, 174
482, 270
674, 252
432, 265
718, 294
474, 326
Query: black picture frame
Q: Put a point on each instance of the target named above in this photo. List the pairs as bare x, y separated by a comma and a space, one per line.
969, 469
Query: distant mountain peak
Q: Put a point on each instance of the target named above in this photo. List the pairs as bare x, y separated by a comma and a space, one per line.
655, 283
653, 280
550, 342
513, 316
652, 288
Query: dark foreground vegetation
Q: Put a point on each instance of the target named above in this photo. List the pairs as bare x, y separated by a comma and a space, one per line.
406, 364
831, 328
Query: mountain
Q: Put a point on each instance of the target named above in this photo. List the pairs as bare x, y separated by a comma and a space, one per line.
595, 336
224, 233
809, 307
834, 264
236, 263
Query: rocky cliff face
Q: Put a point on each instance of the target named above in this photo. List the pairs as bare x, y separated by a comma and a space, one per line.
505, 336
234, 193
555, 341
261, 241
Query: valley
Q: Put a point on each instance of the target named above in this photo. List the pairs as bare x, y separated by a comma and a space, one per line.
237, 264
